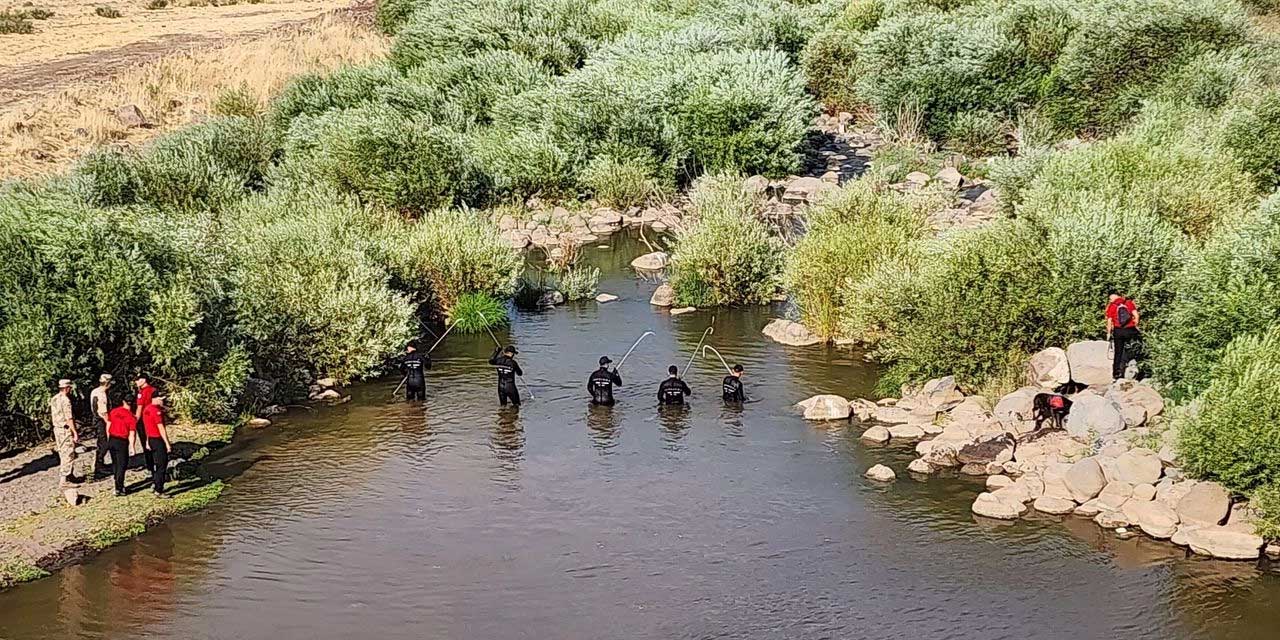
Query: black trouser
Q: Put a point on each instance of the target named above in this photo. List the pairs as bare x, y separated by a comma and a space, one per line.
142, 442
415, 391
100, 441
119, 448
508, 391
160, 472
1121, 341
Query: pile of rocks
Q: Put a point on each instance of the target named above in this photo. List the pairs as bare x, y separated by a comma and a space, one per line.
1109, 464
557, 227
326, 390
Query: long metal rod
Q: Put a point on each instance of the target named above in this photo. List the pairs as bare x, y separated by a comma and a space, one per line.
713, 350
441, 338
710, 329
633, 348
397, 389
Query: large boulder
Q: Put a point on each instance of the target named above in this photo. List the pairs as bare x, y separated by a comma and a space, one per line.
1053, 505
655, 261
1093, 415
863, 410
825, 407
941, 394
876, 434
920, 466
990, 505
1154, 518
1015, 411
663, 296
881, 473
805, 190
1138, 466
1223, 543
994, 449
1084, 480
1206, 503
792, 334
1090, 363
938, 454
1048, 369
892, 415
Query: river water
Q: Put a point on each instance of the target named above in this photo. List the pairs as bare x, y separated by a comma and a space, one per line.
382, 519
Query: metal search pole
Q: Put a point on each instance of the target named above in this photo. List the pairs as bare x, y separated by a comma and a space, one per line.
710, 330
633, 348
713, 350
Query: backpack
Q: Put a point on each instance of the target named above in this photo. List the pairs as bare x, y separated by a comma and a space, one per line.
1123, 316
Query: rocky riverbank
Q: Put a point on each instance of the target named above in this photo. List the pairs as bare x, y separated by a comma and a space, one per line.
1113, 462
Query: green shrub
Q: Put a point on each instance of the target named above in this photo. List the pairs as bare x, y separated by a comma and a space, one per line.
621, 183
1124, 47
462, 90
478, 312
15, 22
726, 256
579, 283
1251, 132
524, 163
386, 158
976, 133
831, 65
106, 12
240, 101
1228, 290
447, 254
1235, 436
1012, 176
313, 94
1266, 500
849, 233
392, 14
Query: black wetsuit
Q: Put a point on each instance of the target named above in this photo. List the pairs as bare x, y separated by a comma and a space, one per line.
413, 367
507, 369
733, 391
672, 391
600, 385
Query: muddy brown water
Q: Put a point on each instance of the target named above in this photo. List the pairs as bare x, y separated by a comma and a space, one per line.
381, 519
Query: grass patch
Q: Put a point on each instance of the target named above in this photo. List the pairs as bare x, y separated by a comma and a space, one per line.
15, 22
107, 12
477, 312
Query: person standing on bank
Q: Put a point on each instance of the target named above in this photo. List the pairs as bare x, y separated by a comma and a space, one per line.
65, 436
732, 386
1122, 330
414, 366
673, 390
157, 444
600, 383
504, 362
120, 429
99, 406
142, 401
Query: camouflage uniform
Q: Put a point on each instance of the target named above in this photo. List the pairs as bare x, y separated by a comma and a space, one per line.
60, 412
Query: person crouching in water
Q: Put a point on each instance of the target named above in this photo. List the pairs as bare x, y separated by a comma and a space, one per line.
504, 362
673, 390
600, 383
157, 443
414, 366
732, 386
120, 429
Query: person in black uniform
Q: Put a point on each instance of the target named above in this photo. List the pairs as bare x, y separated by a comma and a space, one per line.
733, 390
600, 383
413, 366
504, 362
673, 390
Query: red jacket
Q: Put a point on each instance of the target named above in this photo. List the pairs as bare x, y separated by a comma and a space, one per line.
152, 418
120, 422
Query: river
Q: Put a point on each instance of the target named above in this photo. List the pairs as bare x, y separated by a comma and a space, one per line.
382, 519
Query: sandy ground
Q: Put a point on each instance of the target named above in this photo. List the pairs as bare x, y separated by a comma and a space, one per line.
76, 45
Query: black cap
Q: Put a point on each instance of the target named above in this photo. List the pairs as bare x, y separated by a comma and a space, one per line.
604, 360
511, 349
737, 368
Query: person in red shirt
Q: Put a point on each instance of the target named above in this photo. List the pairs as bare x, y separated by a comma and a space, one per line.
157, 444
1122, 331
120, 426
142, 401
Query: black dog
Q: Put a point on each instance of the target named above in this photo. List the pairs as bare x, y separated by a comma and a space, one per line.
1050, 407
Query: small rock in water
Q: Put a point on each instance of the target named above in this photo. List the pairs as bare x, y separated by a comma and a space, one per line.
683, 310
920, 466
876, 434
655, 261
258, 423
663, 296
328, 395
604, 298
881, 473
1053, 506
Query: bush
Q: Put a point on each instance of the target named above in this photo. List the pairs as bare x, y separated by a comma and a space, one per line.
448, 254
385, 158
976, 134
15, 22
1228, 290
1266, 500
106, 12
392, 14
849, 234
523, 163
1124, 47
621, 183
726, 256
1235, 437
313, 94
579, 283
240, 101
1251, 132
462, 91
478, 312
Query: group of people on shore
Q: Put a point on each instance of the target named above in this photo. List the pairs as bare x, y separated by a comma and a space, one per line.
120, 426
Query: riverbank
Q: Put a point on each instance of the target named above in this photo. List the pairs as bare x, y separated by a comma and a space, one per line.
40, 533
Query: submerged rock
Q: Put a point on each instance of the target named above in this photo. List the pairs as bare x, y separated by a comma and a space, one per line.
1222, 543
663, 296
605, 298
825, 407
655, 261
790, 333
881, 473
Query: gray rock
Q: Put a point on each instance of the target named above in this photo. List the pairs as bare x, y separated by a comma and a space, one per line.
1206, 503
825, 407
998, 482
806, 190
950, 177
131, 116
1144, 492
1093, 415
1048, 369
906, 432
863, 410
1155, 519
663, 296
551, 298
992, 449
876, 434
605, 298
1089, 362
790, 333
941, 394
1111, 520
917, 178
1014, 411
881, 473
1084, 480
1138, 466
655, 261
1222, 543
989, 505
756, 185
258, 423
683, 310
1053, 506
920, 466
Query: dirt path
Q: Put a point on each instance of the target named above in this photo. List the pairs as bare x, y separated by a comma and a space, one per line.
76, 46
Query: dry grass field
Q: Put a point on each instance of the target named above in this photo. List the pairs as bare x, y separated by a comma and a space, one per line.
65, 81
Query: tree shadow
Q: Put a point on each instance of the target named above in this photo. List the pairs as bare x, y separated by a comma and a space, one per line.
43, 463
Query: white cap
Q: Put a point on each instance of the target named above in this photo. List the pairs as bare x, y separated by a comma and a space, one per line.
64, 383
106, 377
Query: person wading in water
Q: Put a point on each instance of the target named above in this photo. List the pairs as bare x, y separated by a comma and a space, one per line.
1122, 330
504, 362
732, 386
673, 390
600, 383
413, 366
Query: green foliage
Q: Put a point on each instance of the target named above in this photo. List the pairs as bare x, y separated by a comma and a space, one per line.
1266, 500
726, 256
313, 94
239, 101
448, 254
462, 90
392, 14
976, 133
105, 11
524, 163
851, 232
1251, 132
18, 570
1230, 289
385, 158
477, 312
621, 183
15, 22
1121, 50
1235, 437
579, 283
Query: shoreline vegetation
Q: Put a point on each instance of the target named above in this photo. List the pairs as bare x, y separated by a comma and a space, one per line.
1022, 160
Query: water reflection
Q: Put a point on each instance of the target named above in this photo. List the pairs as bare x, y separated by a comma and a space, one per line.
602, 427
673, 421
